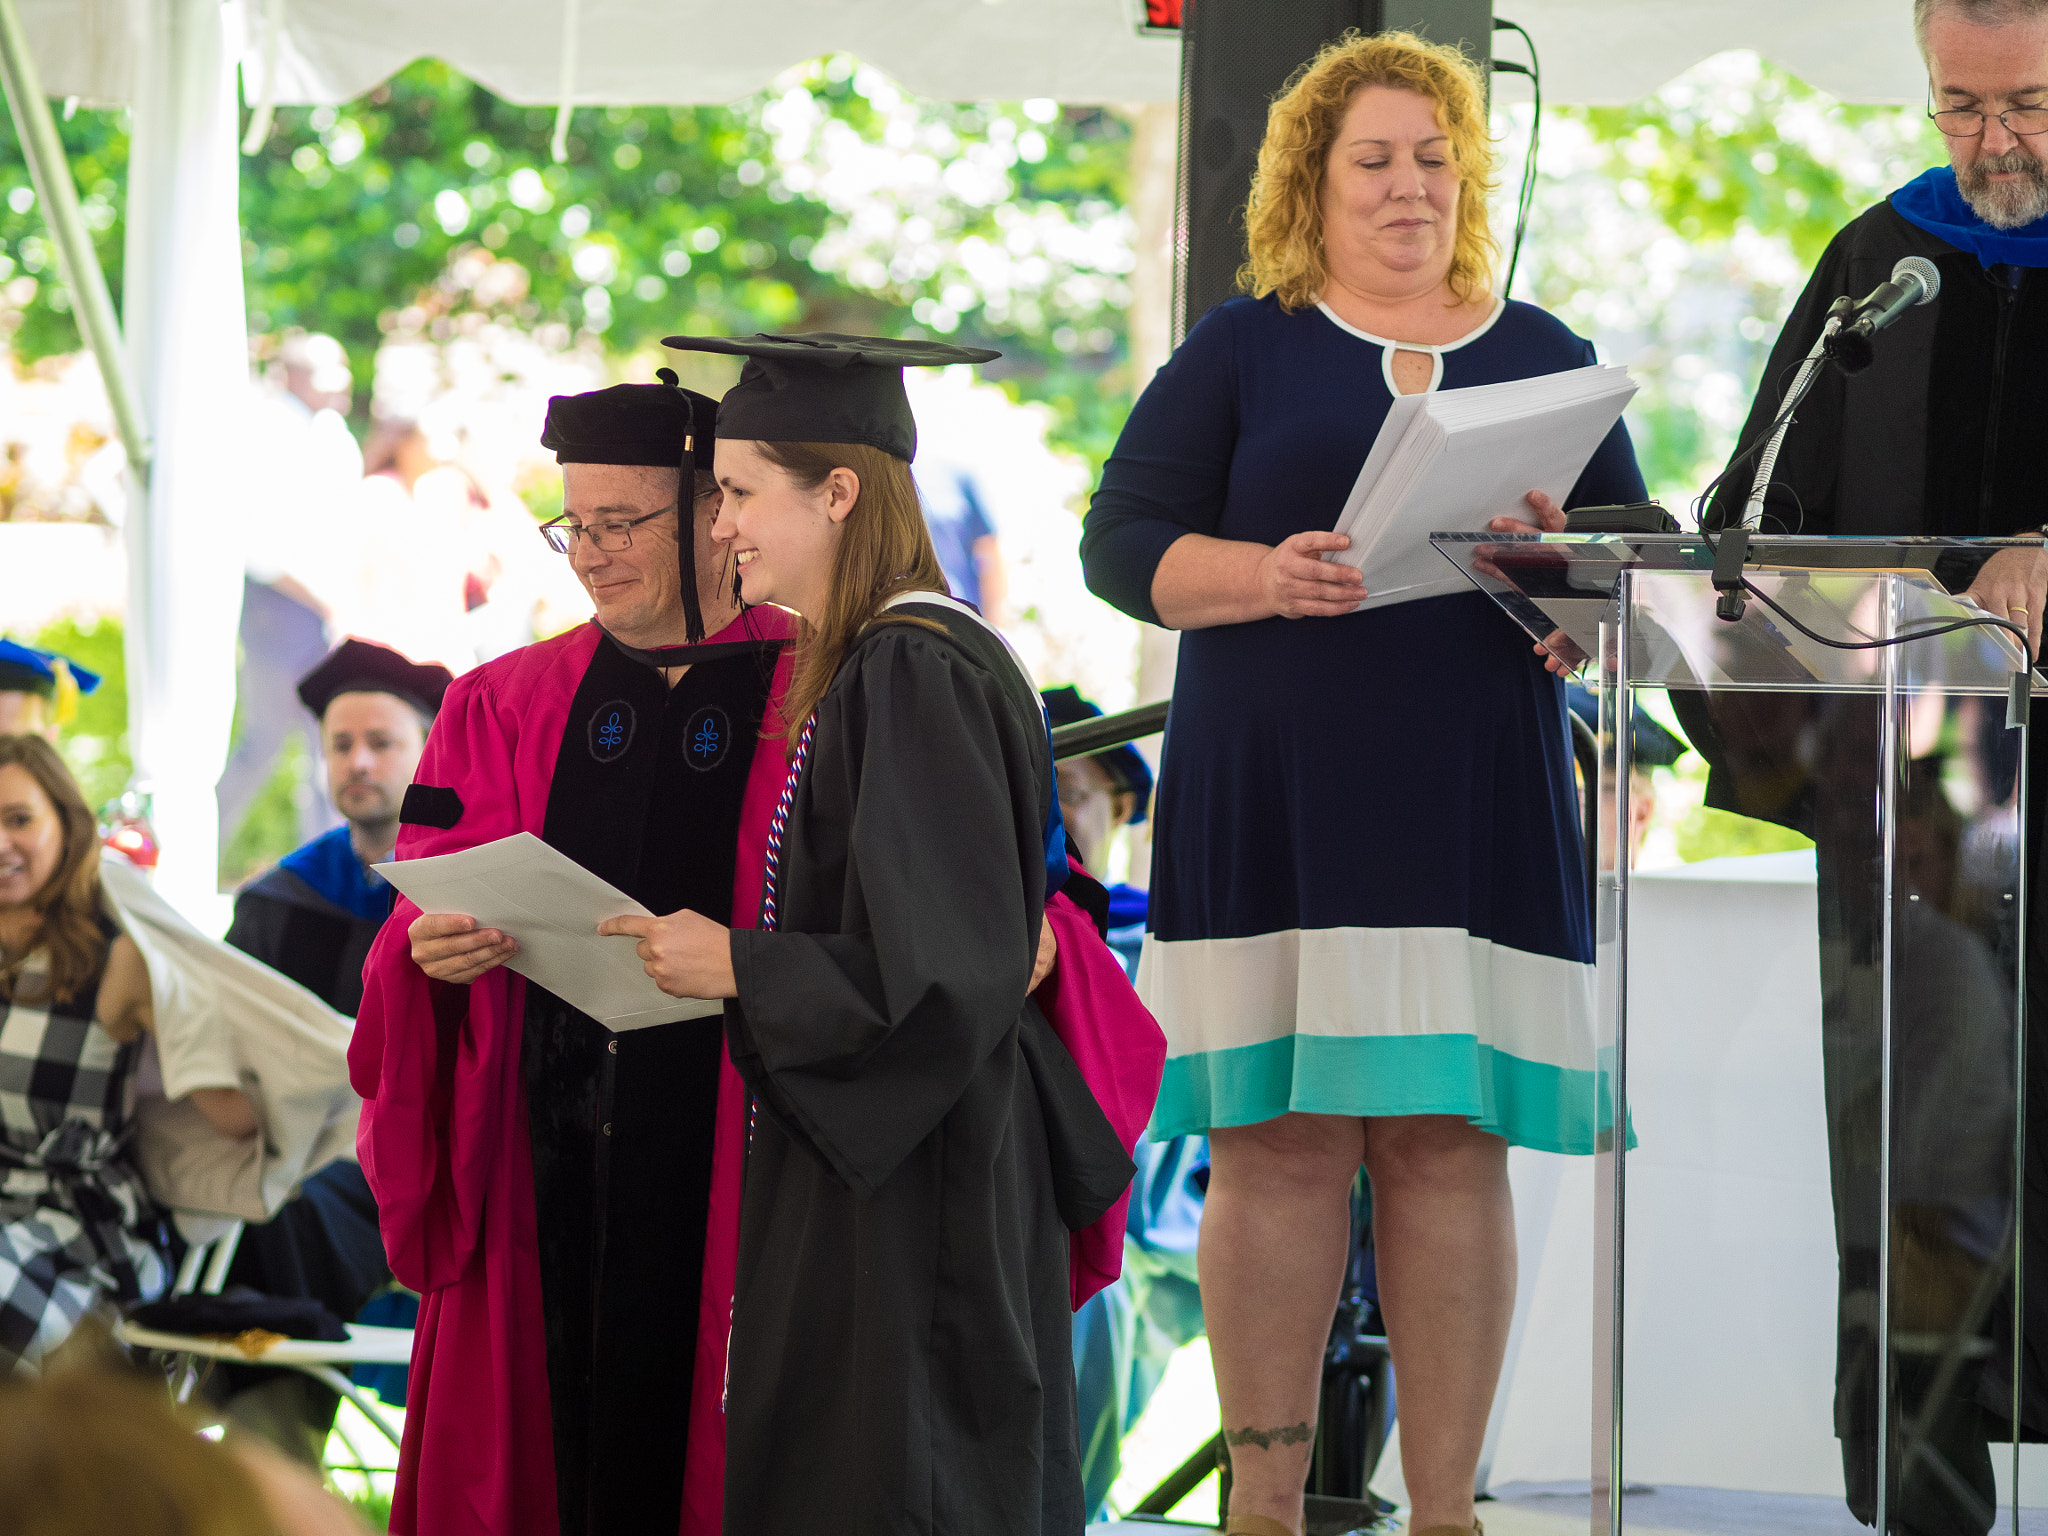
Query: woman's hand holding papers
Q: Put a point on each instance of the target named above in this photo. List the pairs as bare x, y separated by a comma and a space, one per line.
686, 953
450, 947
1203, 582
1559, 654
1549, 517
1298, 583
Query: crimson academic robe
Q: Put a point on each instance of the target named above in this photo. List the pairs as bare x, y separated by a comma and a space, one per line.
447, 1140
901, 1355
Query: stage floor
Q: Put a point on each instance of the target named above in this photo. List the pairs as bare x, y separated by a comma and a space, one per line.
1697, 1512
1527, 1511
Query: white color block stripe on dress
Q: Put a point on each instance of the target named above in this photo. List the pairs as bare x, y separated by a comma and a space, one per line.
1217, 994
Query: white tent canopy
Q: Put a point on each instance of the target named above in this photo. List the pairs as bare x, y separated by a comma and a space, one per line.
697, 51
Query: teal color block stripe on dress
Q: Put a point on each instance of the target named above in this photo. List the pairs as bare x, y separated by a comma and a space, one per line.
1530, 1103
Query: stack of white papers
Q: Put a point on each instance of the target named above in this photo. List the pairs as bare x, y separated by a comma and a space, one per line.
1453, 460
552, 906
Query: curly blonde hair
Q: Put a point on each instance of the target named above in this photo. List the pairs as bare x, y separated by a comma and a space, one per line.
1284, 219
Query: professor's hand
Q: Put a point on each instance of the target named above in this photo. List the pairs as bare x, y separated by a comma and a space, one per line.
449, 947
1048, 954
1297, 583
686, 953
2014, 585
1548, 517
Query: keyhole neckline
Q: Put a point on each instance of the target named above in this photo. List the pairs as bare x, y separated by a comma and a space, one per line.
1435, 353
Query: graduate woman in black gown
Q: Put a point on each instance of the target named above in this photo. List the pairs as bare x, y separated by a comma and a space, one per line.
923, 1143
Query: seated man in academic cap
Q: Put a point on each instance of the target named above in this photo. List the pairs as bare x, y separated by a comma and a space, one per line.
566, 1199
1101, 794
39, 690
313, 918
314, 915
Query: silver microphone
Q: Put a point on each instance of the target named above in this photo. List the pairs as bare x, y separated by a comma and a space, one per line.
1915, 280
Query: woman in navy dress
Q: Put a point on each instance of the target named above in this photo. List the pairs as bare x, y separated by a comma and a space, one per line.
1369, 940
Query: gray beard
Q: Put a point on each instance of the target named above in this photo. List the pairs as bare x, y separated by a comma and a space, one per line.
2006, 205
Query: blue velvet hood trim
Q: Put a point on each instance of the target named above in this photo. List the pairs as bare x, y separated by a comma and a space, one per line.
1932, 201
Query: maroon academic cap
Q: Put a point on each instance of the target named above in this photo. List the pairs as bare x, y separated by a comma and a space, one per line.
363, 666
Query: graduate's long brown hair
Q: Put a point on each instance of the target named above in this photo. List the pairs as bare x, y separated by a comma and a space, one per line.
884, 548
69, 902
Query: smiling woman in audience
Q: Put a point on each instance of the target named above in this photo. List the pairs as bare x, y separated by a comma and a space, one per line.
76, 1226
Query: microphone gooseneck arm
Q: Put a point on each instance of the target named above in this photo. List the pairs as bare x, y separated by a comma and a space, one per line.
1809, 370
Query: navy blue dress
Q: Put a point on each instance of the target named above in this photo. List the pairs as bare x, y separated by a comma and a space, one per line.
1367, 887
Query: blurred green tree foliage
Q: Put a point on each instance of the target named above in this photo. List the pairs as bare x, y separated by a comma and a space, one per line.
760, 216
35, 308
1773, 155
96, 743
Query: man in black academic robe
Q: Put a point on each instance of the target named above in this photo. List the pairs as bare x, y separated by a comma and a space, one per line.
313, 914
312, 917
1941, 435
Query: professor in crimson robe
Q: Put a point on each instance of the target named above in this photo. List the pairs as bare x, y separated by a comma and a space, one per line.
566, 1199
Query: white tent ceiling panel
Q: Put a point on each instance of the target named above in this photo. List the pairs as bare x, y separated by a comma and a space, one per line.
684, 51
1614, 51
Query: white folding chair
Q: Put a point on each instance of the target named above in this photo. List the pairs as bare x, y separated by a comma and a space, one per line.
211, 1249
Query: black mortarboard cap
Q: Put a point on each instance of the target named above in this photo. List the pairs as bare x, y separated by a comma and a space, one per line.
650, 424
363, 666
660, 426
823, 387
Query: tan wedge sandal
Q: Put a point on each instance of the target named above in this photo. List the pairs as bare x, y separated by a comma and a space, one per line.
1475, 1529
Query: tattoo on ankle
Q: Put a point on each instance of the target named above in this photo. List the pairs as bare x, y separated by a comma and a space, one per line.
1266, 1439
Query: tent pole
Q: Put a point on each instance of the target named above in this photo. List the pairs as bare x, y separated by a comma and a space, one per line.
77, 262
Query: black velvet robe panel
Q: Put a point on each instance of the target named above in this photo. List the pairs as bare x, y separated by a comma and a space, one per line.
646, 793
901, 1349
1942, 435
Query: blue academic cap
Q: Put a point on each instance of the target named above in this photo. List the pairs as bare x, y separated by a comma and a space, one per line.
25, 669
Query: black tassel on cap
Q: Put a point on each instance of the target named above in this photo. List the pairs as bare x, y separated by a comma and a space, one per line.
686, 514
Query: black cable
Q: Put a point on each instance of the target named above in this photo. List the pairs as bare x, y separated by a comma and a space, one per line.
1534, 70
1927, 633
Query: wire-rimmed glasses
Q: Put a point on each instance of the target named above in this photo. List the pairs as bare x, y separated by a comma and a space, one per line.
611, 536
1968, 122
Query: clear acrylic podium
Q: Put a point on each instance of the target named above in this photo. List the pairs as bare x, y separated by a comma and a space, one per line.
1906, 766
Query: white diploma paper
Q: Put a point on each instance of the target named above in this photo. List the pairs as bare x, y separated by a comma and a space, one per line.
552, 906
